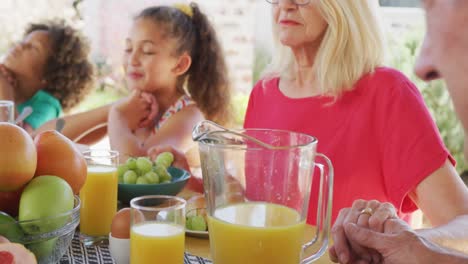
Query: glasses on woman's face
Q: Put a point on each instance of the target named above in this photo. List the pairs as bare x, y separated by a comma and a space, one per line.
297, 2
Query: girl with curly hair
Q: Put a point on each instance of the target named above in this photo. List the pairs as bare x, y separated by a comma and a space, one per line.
175, 68
48, 71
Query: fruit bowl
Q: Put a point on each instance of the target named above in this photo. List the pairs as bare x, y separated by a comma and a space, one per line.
48, 238
129, 191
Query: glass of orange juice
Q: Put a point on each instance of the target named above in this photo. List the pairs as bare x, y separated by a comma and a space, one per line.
98, 195
157, 233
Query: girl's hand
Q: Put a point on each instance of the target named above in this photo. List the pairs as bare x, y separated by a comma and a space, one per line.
6, 89
180, 160
153, 107
134, 109
194, 184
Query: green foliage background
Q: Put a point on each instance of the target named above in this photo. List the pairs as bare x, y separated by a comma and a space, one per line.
402, 55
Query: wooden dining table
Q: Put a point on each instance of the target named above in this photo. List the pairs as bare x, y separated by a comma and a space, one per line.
201, 246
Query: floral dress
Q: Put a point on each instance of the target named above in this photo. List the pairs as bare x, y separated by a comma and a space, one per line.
182, 102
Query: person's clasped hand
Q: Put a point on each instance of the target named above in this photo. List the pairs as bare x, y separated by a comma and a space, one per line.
367, 214
139, 109
152, 110
398, 243
7, 84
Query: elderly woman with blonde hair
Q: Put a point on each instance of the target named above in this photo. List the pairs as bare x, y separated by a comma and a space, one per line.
327, 79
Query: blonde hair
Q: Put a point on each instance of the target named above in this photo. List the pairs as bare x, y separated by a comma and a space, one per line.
352, 46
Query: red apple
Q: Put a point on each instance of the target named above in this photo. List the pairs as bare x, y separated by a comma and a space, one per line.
9, 202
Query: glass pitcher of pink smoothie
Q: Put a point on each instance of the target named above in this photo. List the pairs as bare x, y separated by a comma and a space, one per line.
257, 187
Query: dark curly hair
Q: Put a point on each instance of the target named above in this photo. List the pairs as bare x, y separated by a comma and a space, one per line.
207, 78
68, 72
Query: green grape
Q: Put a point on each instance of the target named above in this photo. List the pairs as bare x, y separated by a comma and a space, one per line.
122, 168
142, 180
188, 222
130, 177
139, 172
166, 177
144, 164
152, 177
131, 163
170, 216
164, 159
162, 173
198, 223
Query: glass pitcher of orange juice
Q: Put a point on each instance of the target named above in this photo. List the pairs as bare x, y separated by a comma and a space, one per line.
257, 185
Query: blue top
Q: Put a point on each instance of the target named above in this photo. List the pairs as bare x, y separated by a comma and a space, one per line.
45, 107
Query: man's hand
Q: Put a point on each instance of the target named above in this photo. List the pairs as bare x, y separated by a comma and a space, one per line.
397, 244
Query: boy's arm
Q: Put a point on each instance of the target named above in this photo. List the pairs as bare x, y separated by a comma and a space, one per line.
76, 125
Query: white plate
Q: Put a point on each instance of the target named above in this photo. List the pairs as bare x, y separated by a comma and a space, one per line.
198, 234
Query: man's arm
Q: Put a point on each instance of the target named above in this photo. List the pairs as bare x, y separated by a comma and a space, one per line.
399, 244
443, 198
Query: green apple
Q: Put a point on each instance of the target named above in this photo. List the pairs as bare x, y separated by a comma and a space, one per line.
45, 197
43, 250
10, 229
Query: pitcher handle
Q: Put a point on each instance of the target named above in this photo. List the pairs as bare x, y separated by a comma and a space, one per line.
326, 191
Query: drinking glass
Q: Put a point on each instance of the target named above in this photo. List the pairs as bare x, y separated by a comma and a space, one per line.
157, 233
98, 195
7, 111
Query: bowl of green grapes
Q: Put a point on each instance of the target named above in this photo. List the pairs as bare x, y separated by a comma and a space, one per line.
140, 176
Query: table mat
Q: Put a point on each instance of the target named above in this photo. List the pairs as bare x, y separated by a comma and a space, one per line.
77, 253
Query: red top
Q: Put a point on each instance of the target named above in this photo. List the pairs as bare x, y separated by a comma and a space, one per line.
380, 136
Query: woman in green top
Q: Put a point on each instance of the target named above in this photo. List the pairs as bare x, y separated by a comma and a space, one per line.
48, 71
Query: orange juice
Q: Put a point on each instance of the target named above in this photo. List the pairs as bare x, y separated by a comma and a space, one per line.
155, 242
98, 200
260, 233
